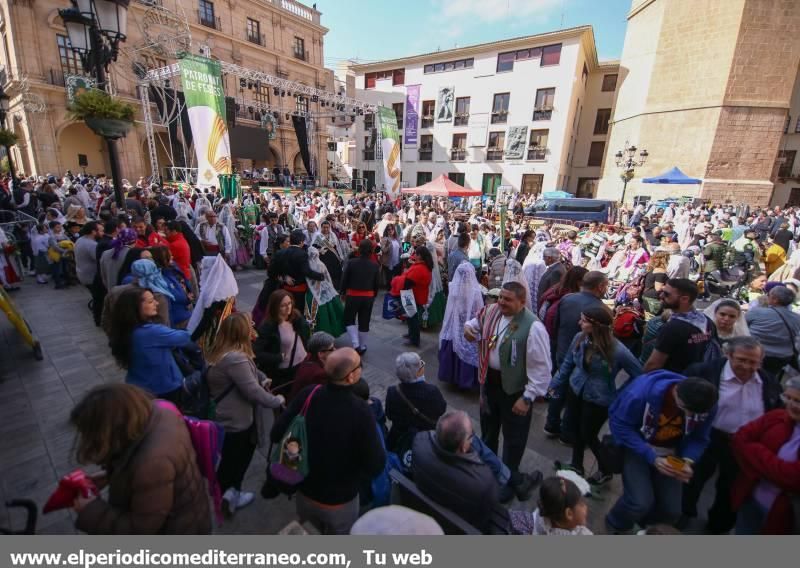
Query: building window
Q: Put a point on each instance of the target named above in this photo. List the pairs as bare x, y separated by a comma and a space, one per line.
609, 83
490, 183
206, 14
398, 111
456, 177
423, 178
458, 151
786, 161
369, 80
369, 148
584, 74
261, 94
543, 109
399, 77
426, 148
551, 55
497, 141
537, 146
787, 123
428, 110
456, 65
369, 121
70, 62
299, 46
500, 108
462, 112
254, 31
505, 62
596, 152
601, 121
797, 125
301, 102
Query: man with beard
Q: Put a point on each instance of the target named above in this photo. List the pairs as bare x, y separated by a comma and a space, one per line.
684, 339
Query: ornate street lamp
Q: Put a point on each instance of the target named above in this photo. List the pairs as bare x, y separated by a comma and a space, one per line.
5, 105
95, 29
626, 160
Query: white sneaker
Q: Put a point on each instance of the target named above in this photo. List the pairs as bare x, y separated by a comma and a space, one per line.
229, 501
244, 499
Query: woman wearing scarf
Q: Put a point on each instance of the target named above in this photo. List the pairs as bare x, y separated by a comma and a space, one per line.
458, 358
170, 277
323, 308
112, 260
218, 291
239, 256
433, 311
514, 274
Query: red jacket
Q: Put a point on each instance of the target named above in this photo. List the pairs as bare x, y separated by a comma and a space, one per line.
420, 275
756, 447
151, 240
181, 254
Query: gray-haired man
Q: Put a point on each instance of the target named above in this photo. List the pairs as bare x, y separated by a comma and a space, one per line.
554, 273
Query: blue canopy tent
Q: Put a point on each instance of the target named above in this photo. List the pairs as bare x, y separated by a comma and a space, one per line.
557, 194
673, 176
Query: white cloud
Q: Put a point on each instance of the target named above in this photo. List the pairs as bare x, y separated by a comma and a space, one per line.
494, 11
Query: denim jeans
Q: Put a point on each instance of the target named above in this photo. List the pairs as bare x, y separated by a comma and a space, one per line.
648, 496
501, 473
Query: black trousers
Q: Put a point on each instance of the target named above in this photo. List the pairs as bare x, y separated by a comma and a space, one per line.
496, 415
360, 306
98, 292
414, 329
237, 452
588, 419
717, 457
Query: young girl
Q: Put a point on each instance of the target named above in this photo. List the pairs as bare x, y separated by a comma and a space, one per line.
591, 366
561, 511
39, 244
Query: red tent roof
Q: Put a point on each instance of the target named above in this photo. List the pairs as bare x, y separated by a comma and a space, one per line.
443, 186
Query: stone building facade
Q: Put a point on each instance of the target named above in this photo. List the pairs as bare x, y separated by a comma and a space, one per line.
280, 37
706, 86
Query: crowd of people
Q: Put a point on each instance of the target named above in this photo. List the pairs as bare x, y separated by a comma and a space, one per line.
599, 322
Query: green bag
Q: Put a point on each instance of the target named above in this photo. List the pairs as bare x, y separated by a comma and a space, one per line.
289, 460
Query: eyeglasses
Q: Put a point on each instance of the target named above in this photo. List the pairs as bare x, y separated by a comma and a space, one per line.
421, 364
790, 400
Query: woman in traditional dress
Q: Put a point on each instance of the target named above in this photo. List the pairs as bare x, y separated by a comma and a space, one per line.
433, 311
458, 358
514, 274
218, 291
330, 251
323, 308
239, 255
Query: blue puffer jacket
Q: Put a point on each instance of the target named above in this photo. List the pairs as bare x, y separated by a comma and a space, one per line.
595, 384
633, 418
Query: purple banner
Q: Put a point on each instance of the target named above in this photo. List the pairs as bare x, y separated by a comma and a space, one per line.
412, 110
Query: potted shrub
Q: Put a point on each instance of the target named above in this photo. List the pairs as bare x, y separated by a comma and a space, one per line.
7, 138
102, 113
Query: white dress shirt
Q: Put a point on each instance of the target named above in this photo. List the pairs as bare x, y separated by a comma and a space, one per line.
739, 403
537, 354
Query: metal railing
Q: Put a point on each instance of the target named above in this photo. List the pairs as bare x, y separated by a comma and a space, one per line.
500, 117
461, 119
299, 10
458, 154
543, 114
425, 154
209, 21
427, 122
494, 154
258, 39
537, 153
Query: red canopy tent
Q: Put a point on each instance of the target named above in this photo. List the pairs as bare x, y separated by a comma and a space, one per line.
443, 186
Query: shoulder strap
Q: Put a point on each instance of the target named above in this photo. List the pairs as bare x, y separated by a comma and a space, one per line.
786, 323
307, 402
414, 410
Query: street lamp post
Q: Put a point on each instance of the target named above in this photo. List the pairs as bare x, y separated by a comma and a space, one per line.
5, 103
95, 29
627, 160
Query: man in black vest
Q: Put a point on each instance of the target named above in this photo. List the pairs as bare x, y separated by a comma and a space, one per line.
290, 265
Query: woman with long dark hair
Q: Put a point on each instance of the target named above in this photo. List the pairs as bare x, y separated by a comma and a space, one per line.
282, 340
145, 348
548, 303
591, 366
418, 278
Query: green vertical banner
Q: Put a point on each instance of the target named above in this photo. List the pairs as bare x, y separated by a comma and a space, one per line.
205, 102
390, 147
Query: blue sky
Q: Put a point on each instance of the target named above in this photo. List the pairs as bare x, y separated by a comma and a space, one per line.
373, 30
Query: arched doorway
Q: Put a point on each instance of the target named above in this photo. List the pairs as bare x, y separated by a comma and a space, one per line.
299, 169
81, 150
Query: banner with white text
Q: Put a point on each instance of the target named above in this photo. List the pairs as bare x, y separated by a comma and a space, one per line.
205, 101
390, 146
